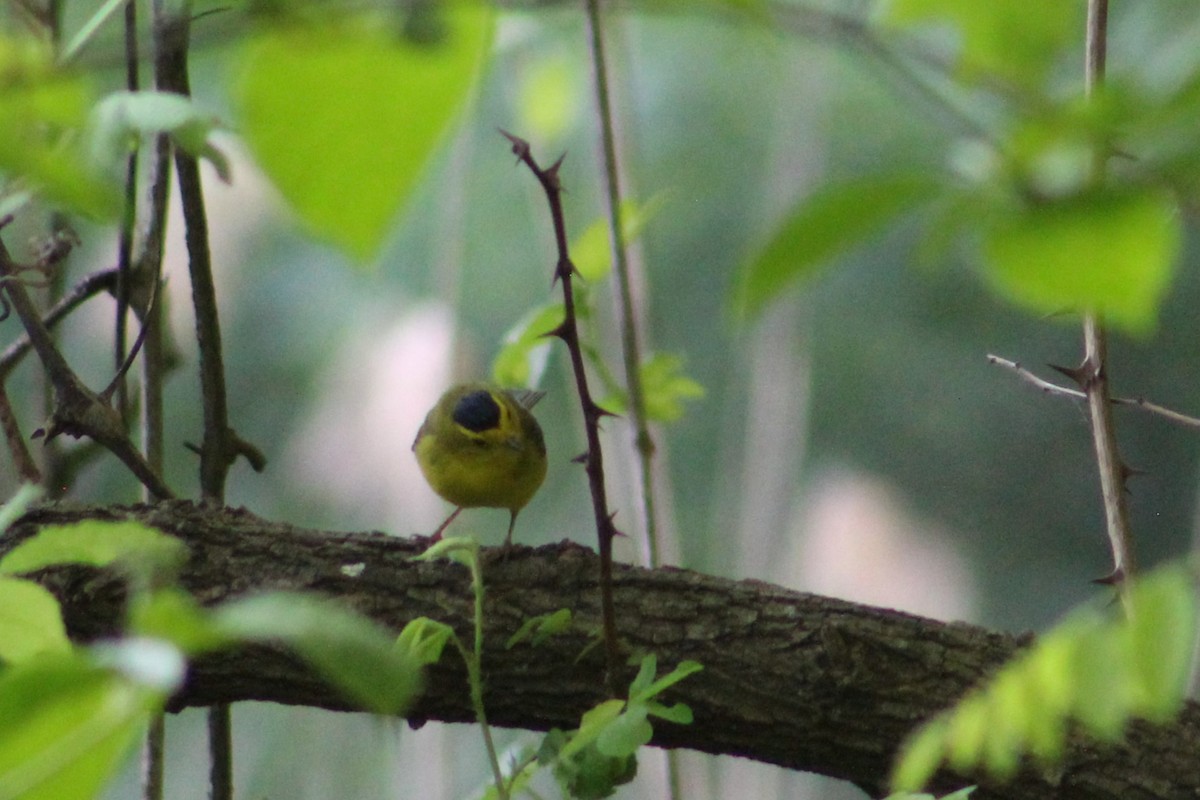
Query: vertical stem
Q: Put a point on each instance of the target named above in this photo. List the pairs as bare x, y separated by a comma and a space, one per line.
593, 459
171, 31
630, 345
1093, 375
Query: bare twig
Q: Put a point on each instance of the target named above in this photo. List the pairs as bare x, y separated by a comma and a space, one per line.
593, 459
630, 345
1058, 390
77, 411
90, 286
26, 466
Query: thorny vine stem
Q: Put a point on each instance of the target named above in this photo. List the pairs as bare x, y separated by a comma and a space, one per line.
593, 459
1091, 374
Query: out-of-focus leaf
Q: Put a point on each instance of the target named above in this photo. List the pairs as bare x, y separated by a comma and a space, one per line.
19, 503
522, 359
121, 119
423, 640
549, 97
1111, 252
1160, 642
665, 387
139, 550
344, 115
68, 724
42, 107
30, 621
1091, 672
1012, 41
350, 651
591, 253
174, 616
826, 224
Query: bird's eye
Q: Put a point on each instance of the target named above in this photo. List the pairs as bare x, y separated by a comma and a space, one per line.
477, 411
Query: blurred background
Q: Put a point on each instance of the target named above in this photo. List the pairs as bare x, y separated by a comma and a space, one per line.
852, 441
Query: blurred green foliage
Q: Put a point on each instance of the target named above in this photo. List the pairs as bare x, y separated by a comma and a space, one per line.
826, 149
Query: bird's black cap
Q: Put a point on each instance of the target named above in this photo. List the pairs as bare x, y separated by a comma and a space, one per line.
477, 411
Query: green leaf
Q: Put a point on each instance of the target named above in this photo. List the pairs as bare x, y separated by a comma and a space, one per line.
665, 386
351, 651
624, 735
174, 616
42, 107
460, 549
680, 713
526, 349
68, 724
1159, 642
920, 756
1111, 252
540, 628
138, 549
592, 254
829, 222
122, 119
1010, 40
1091, 669
591, 725
423, 640
30, 621
647, 691
343, 114
26, 496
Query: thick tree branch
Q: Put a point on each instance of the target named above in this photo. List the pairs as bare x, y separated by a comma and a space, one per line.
797, 680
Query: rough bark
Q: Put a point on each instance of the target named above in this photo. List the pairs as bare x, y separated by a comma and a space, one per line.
793, 679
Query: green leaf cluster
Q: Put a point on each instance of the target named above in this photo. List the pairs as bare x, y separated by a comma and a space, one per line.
1064, 203
71, 714
342, 113
1096, 669
592, 761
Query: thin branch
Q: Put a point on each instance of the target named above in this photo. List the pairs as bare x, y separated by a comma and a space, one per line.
630, 345
90, 286
77, 411
1058, 390
22, 458
593, 459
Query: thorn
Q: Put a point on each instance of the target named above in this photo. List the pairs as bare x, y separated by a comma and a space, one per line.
599, 413
1077, 374
1114, 578
552, 173
520, 147
195, 449
39, 433
581, 458
559, 331
1128, 472
5, 221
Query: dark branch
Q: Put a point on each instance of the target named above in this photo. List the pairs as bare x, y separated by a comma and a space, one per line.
805, 682
593, 459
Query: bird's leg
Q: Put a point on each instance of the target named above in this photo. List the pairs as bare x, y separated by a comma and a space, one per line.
511, 522
437, 535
